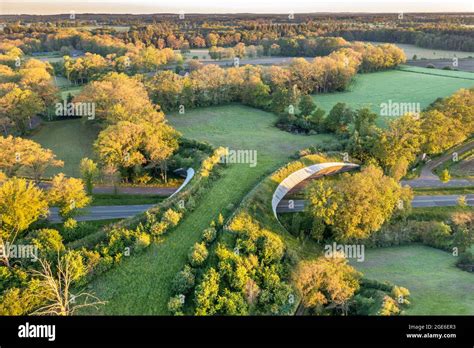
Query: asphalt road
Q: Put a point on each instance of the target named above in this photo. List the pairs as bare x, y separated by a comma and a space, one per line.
418, 202
125, 211
104, 212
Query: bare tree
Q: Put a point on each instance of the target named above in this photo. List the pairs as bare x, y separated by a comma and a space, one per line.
55, 290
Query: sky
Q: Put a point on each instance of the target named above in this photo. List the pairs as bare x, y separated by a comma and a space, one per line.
230, 6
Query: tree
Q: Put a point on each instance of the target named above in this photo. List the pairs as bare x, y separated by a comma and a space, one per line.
21, 204
326, 280
20, 106
207, 293
444, 176
68, 194
356, 205
89, 173
399, 145
120, 146
18, 153
364, 118
56, 283
306, 105
339, 118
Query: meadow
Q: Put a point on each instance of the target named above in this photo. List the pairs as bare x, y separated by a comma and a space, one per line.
407, 85
436, 285
70, 140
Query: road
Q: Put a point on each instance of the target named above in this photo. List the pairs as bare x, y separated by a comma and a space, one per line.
428, 179
418, 202
104, 212
125, 211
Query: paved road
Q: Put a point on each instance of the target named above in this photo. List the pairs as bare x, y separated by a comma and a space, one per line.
418, 202
428, 179
104, 212
125, 211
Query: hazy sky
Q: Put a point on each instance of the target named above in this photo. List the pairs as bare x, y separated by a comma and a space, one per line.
231, 6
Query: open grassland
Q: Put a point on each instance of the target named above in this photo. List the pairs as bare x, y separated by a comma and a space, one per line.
436, 285
141, 284
408, 85
70, 140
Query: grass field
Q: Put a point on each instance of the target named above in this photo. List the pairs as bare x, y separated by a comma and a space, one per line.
141, 284
436, 285
70, 140
411, 85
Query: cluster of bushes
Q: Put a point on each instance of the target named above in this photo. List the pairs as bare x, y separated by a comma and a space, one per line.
186, 279
376, 298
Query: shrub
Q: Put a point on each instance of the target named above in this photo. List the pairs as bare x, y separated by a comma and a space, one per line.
401, 294
209, 235
48, 241
175, 305
184, 281
198, 254
172, 217
142, 241
70, 224
389, 307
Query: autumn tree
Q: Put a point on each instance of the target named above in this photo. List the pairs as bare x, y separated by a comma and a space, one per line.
21, 204
326, 281
20, 106
356, 205
17, 153
68, 194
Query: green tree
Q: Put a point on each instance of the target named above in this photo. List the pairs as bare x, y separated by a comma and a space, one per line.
89, 173
444, 176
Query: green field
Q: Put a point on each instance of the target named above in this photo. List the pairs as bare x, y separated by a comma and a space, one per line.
436, 285
141, 284
70, 140
410, 85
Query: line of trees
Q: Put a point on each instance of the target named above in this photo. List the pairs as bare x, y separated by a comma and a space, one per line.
273, 88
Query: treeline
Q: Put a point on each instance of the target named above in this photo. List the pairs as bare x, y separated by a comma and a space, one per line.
445, 40
271, 88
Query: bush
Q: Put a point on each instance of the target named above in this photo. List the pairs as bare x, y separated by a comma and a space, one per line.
209, 235
198, 254
184, 281
172, 217
70, 224
142, 241
175, 305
